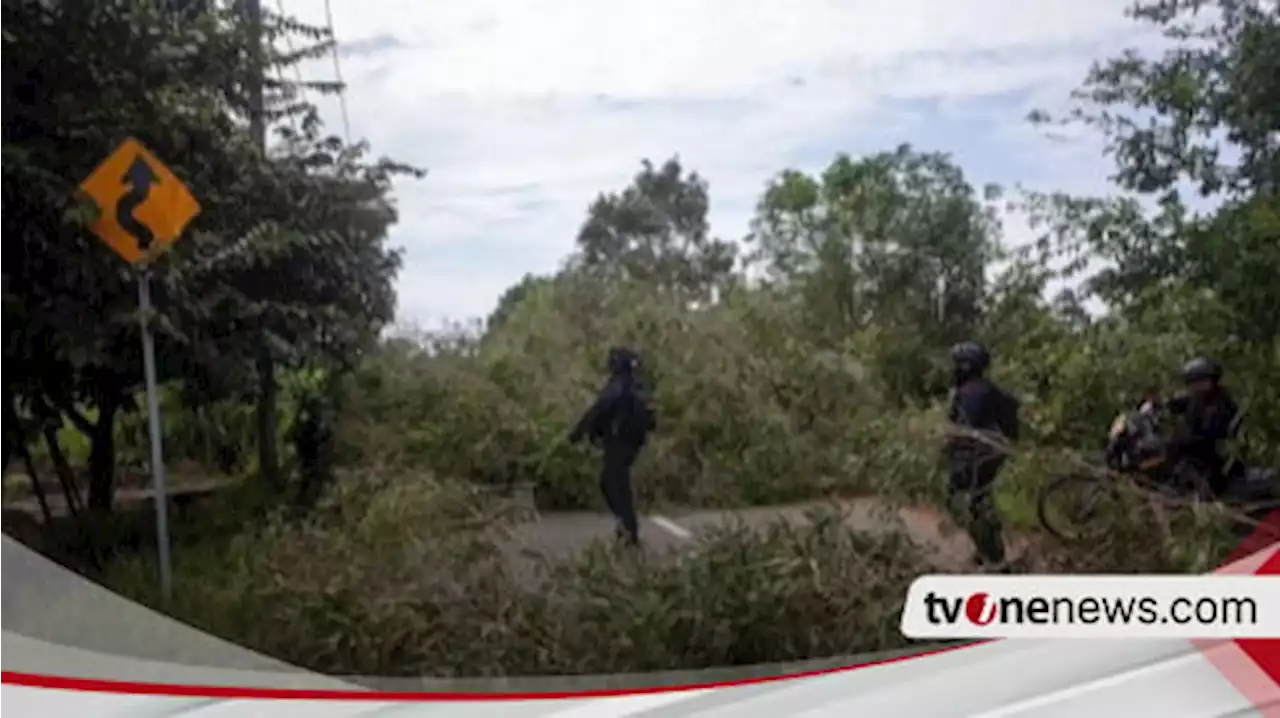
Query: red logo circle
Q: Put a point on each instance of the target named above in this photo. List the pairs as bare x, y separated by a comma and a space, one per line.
980, 609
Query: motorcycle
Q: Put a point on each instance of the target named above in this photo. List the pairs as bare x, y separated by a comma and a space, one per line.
1137, 448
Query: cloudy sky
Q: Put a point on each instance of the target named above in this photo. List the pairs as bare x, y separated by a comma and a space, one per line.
523, 110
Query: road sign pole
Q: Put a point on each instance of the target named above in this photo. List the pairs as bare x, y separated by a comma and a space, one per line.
159, 494
129, 179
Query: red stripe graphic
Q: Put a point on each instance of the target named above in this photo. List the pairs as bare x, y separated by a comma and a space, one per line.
1253, 665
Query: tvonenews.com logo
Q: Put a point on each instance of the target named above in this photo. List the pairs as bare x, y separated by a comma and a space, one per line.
982, 609
1092, 606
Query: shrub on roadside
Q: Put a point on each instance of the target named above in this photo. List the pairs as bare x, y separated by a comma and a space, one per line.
414, 578
400, 576
743, 596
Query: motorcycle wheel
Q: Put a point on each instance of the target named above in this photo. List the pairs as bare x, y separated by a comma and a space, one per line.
1069, 506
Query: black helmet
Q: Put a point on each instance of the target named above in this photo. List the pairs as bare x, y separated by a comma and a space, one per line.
1201, 368
970, 356
622, 360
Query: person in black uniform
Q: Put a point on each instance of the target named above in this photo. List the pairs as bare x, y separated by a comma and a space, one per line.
978, 404
1209, 417
619, 421
313, 440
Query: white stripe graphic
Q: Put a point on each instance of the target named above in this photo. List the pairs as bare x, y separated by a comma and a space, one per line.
1067, 694
622, 706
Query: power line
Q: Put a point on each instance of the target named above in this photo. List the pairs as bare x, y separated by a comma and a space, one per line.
288, 44
337, 68
337, 71
297, 69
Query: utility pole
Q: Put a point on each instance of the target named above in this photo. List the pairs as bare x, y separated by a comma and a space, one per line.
268, 456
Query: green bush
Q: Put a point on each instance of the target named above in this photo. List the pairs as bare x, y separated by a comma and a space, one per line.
406, 576
749, 413
413, 577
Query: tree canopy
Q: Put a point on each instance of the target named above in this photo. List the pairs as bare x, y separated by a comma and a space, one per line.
289, 251
656, 231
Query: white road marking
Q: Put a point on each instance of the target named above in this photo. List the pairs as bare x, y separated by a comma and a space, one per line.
672, 527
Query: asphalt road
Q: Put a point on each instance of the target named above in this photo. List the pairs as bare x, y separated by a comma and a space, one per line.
558, 535
561, 534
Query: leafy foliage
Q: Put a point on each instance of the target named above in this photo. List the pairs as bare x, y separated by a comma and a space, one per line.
288, 255
656, 231
389, 573
898, 235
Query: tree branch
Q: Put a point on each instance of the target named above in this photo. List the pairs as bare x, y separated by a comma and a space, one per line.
78, 420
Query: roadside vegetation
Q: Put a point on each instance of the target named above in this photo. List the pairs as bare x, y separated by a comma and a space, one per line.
365, 527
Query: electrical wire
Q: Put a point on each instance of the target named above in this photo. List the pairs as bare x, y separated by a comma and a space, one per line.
288, 44
297, 69
337, 70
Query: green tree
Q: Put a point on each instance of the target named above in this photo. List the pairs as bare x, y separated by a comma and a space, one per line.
1204, 114
512, 297
1203, 111
894, 238
287, 247
656, 231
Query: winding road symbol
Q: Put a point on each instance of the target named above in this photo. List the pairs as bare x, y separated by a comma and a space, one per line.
142, 206
140, 179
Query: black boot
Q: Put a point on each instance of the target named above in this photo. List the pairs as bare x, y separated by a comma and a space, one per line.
625, 537
988, 540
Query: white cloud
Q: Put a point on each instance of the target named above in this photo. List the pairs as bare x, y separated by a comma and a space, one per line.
523, 111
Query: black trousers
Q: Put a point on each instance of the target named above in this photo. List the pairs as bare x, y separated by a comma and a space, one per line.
615, 484
1210, 468
971, 483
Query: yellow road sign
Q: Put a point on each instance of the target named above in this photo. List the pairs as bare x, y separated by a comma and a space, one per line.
142, 206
